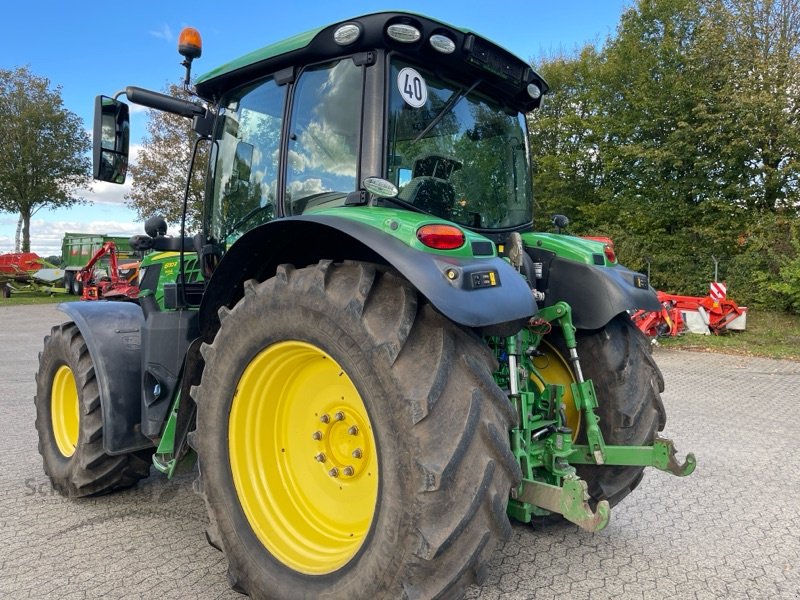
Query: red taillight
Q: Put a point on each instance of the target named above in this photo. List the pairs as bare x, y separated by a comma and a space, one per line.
608, 250
441, 237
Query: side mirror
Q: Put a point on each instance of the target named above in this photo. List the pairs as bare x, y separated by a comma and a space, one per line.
111, 139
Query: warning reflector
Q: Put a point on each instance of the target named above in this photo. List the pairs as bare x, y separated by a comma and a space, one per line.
717, 290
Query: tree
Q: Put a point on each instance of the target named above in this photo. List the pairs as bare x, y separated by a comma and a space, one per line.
752, 58
43, 148
565, 138
678, 135
162, 166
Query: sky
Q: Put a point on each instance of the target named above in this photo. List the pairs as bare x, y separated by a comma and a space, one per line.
89, 48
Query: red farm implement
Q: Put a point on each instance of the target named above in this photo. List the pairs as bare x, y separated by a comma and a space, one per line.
119, 283
713, 313
27, 272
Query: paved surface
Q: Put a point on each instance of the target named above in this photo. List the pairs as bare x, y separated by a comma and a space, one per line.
731, 530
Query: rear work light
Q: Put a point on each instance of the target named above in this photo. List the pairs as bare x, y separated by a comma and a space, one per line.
347, 34
403, 33
442, 43
441, 237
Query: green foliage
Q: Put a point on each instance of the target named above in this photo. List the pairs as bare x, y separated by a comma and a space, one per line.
43, 148
677, 137
766, 272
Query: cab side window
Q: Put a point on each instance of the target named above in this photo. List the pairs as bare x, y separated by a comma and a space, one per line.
323, 135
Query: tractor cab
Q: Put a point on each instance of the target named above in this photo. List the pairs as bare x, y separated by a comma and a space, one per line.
435, 111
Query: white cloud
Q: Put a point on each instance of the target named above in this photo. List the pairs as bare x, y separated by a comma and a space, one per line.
49, 234
102, 192
106, 193
165, 33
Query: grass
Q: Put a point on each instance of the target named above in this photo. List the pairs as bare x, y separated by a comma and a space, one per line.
768, 334
19, 298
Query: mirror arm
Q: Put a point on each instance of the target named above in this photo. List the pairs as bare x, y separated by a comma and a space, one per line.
163, 102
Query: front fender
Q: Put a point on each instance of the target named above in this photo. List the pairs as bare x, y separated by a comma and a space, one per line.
112, 331
453, 285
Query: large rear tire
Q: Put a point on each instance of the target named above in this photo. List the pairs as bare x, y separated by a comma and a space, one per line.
70, 425
628, 384
352, 442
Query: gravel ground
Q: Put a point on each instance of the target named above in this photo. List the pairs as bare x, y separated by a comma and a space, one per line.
731, 530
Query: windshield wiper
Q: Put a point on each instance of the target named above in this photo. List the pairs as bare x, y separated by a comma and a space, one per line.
449, 105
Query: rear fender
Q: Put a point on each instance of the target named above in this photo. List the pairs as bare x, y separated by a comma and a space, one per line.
597, 293
112, 331
496, 309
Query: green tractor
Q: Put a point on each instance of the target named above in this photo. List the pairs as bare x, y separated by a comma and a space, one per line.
370, 354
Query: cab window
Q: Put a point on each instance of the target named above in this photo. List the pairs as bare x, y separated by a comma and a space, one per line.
323, 136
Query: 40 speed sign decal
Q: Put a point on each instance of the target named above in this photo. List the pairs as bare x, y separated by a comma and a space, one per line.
412, 87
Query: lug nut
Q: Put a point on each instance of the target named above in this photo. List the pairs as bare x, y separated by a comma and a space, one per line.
320, 457
325, 418
317, 435
353, 430
357, 453
348, 471
334, 472
339, 416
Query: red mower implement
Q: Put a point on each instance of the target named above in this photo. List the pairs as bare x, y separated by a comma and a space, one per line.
716, 312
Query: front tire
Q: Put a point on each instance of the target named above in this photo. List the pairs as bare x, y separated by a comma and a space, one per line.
424, 506
70, 424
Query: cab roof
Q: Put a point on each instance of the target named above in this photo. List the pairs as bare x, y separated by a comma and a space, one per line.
489, 59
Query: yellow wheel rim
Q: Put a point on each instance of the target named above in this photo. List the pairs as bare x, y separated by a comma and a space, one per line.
65, 411
551, 368
303, 457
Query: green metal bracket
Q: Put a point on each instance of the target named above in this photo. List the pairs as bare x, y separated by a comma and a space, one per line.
542, 443
586, 402
571, 500
582, 390
660, 455
164, 457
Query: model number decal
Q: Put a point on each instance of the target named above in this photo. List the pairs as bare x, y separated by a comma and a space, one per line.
412, 87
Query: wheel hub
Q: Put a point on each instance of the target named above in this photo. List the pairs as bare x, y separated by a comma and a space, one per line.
341, 443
